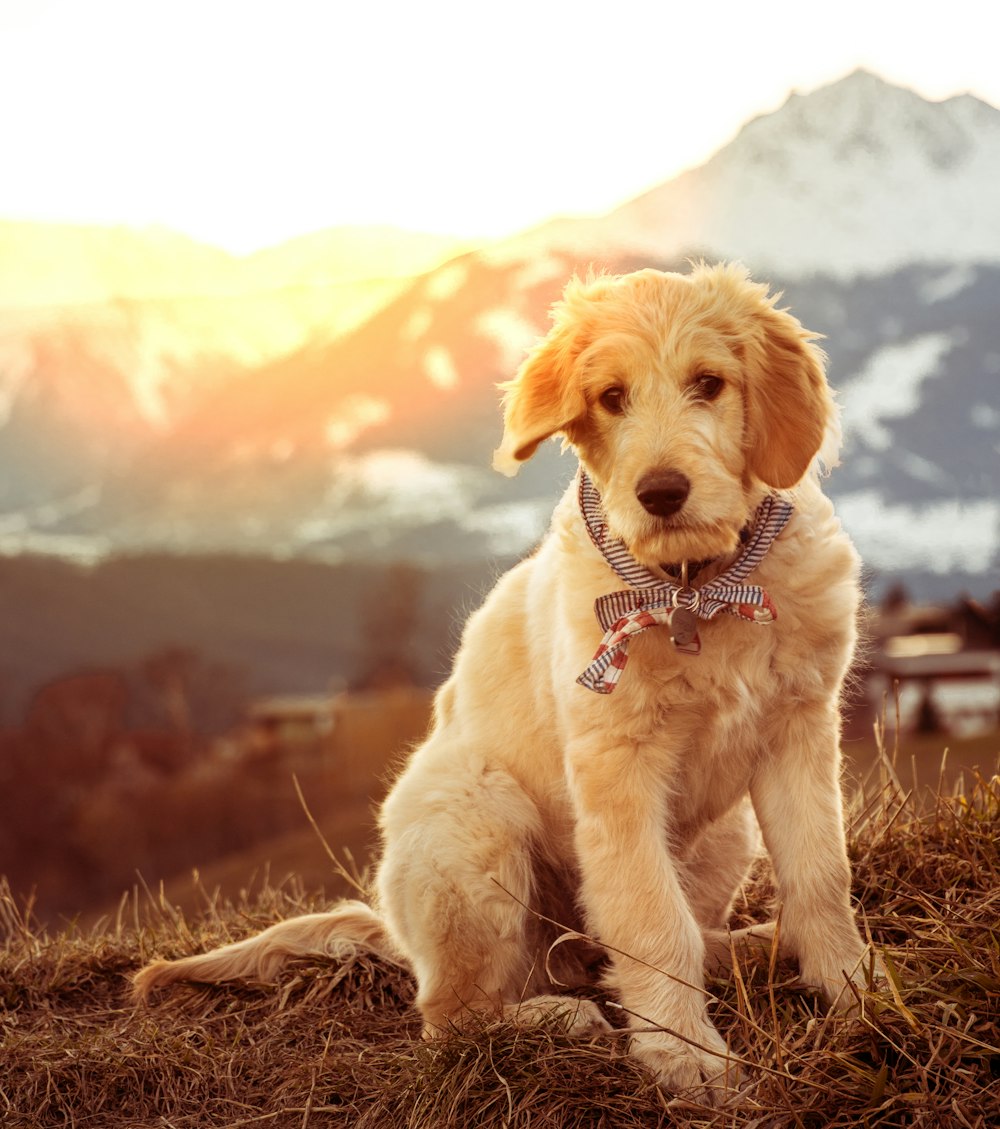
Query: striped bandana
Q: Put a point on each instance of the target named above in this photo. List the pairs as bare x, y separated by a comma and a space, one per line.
651, 601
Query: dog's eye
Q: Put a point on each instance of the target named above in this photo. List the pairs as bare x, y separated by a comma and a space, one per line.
707, 386
613, 400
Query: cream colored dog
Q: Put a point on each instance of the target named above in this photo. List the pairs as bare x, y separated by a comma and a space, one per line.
693, 405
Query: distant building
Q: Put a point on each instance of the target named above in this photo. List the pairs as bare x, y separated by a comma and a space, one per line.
353, 727
943, 661
289, 719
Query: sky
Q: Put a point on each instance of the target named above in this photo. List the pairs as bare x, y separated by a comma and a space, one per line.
247, 123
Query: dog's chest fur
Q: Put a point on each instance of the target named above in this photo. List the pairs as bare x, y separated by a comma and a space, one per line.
701, 721
706, 717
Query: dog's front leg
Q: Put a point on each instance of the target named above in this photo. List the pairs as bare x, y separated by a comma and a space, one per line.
796, 794
632, 896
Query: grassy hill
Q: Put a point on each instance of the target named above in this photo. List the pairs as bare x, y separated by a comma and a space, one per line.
337, 1045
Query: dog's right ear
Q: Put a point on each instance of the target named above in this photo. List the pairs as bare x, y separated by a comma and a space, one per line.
543, 399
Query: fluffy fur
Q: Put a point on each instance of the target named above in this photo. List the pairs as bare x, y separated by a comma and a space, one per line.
633, 816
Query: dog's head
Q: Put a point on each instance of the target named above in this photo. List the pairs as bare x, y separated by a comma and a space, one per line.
685, 396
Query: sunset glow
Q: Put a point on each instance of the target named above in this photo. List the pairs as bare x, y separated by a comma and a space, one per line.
245, 125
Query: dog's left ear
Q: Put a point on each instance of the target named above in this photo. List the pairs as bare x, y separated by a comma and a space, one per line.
544, 398
789, 404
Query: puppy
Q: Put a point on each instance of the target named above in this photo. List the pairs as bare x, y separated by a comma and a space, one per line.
613, 771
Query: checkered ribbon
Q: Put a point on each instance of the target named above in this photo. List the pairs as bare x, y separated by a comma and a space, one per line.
652, 602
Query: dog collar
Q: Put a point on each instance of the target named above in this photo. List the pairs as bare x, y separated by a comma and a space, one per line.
652, 602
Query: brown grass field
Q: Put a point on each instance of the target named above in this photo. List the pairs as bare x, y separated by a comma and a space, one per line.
336, 1045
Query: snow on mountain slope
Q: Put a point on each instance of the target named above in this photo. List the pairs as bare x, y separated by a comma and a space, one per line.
857, 177
944, 539
888, 387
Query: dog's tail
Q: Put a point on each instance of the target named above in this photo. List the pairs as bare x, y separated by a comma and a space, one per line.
349, 928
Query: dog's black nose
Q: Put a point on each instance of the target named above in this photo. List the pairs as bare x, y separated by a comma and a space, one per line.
663, 492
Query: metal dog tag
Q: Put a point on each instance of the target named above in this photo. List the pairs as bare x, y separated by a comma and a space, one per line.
683, 627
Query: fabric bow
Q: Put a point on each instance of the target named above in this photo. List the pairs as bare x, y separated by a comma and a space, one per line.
651, 601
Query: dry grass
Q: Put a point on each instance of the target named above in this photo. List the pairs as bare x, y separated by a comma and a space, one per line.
337, 1046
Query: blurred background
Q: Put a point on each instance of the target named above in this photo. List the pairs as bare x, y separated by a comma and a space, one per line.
261, 268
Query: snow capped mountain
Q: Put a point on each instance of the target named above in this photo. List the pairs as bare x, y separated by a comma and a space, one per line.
308, 425
857, 177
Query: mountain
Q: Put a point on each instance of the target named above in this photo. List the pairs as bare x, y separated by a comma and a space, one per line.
109, 335
234, 422
44, 265
55, 265
160, 317
860, 177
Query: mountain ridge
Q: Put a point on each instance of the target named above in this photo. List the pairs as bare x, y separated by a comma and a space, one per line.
49, 264
763, 200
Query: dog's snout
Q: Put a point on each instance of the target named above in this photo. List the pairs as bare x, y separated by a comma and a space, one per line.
663, 492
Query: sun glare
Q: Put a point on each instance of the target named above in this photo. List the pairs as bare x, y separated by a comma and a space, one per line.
245, 126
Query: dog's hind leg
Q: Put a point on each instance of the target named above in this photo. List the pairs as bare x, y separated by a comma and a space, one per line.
718, 863
713, 872
455, 884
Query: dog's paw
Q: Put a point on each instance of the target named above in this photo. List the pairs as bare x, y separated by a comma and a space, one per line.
569, 1016
843, 979
698, 1071
584, 1020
